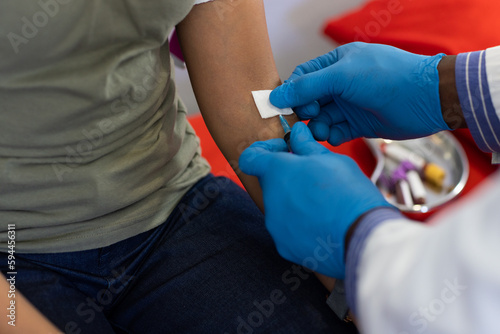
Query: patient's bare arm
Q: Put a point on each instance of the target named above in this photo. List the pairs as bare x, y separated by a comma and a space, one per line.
228, 55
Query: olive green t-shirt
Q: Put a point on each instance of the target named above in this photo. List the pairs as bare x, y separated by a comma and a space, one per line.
94, 142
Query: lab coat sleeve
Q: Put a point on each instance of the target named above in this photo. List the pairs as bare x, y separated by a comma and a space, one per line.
478, 86
406, 277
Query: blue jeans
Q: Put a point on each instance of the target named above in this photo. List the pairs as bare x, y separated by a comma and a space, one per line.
210, 268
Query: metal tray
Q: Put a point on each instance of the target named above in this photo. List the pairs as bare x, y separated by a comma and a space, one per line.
442, 149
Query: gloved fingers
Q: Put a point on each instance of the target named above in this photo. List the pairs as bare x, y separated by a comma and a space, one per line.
303, 142
340, 133
330, 115
312, 109
302, 90
320, 126
308, 111
320, 129
325, 100
309, 82
314, 65
334, 113
256, 158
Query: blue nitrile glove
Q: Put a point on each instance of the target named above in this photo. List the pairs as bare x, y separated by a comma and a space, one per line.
311, 198
366, 90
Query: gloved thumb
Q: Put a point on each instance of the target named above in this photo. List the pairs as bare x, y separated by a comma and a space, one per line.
303, 90
303, 142
256, 158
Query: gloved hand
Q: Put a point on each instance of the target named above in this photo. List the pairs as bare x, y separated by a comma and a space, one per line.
366, 90
311, 198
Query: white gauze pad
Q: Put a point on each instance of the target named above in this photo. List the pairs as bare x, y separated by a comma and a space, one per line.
266, 109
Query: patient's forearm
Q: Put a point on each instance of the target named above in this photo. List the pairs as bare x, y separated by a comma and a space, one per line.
228, 55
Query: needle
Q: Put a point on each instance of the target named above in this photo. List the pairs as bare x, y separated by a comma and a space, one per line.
288, 131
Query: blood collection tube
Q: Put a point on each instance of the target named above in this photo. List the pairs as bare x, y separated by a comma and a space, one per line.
430, 172
402, 188
415, 181
416, 187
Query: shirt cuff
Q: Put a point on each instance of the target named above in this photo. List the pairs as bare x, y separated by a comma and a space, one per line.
356, 246
496, 158
197, 2
476, 102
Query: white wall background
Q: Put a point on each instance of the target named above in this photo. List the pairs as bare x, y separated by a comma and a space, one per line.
295, 29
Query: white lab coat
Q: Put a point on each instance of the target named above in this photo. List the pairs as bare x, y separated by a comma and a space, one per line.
439, 278
443, 277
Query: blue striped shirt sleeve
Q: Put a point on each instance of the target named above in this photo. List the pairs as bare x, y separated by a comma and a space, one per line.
476, 101
356, 246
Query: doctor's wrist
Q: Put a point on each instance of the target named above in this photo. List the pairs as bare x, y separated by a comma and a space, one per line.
377, 215
448, 94
355, 246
